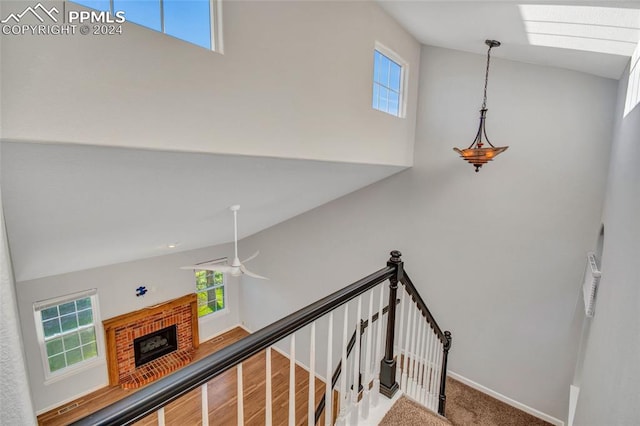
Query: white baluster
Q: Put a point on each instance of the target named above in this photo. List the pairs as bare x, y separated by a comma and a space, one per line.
268, 408
356, 365
422, 358
416, 354
204, 404
430, 363
378, 352
434, 366
344, 398
412, 352
398, 339
240, 395
311, 411
407, 341
367, 363
438, 375
160, 416
292, 381
328, 392
425, 373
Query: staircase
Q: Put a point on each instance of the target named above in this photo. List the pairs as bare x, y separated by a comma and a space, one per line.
408, 412
377, 332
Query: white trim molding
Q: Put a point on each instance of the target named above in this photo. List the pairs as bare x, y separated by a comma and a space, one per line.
520, 406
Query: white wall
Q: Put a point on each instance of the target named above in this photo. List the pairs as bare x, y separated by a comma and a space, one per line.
497, 255
116, 286
16, 407
610, 391
294, 81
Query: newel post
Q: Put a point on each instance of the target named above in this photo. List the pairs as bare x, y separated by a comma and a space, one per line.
443, 377
388, 383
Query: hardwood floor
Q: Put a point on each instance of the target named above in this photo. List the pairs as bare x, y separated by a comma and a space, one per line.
221, 391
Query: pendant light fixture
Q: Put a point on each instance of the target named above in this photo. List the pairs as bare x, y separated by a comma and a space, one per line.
477, 154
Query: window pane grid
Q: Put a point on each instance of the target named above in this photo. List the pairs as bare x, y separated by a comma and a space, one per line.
69, 335
387, 76
188, 20
210, 292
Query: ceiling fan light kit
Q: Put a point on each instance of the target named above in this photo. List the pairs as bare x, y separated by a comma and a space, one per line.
477, 154
237, 267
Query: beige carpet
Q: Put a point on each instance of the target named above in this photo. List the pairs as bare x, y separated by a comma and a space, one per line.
465, 407
408, 412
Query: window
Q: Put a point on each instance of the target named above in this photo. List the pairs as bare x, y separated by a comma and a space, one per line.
210, 291
633, 87
388, 80
194, 21
66, 331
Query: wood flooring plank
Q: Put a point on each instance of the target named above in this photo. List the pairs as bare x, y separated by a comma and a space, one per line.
221, 392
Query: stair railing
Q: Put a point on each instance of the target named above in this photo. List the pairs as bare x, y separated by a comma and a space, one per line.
352, 341
423, 364
424, 351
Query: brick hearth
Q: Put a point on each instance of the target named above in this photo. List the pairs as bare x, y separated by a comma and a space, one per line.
122, 330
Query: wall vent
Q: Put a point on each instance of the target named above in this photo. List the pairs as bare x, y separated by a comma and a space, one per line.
68, 408
590, 285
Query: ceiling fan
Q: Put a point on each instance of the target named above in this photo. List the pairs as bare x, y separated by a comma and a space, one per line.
236, 268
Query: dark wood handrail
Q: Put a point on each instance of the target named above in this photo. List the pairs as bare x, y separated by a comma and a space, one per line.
163, 391
411, 289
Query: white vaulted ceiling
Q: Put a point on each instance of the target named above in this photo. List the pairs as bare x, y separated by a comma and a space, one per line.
72, 207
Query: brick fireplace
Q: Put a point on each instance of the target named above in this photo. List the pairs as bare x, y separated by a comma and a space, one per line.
122, 331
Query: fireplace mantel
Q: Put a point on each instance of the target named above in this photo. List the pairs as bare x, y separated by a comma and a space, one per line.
120, 332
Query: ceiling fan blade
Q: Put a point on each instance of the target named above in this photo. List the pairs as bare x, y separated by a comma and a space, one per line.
210, 267
253, 256
251, 274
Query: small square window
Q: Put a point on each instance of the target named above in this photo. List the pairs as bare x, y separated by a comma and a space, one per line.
388, 81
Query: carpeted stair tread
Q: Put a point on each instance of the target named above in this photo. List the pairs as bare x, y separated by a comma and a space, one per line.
408, 412
465, 406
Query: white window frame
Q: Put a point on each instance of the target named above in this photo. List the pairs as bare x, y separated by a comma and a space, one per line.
224, 285
215, 10
39, 306
404, 78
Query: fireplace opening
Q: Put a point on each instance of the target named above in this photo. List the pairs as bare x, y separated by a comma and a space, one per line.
154, 345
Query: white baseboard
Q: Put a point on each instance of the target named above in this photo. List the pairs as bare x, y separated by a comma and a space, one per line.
520, 406
220, 332
59, 405
574, 391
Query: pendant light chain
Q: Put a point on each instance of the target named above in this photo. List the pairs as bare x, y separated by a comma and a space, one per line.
486, 78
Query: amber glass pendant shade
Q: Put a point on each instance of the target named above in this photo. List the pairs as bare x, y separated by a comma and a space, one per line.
477, 154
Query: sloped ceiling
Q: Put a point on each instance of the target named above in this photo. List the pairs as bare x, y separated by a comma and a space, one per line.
73, 207
596, 37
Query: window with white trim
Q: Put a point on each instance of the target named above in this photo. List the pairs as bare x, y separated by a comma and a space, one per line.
389, 73
211, 292
194, 21
66, 330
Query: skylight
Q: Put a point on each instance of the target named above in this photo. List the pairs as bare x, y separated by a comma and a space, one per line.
596, 29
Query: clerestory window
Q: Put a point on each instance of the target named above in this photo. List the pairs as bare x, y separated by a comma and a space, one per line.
194, 21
